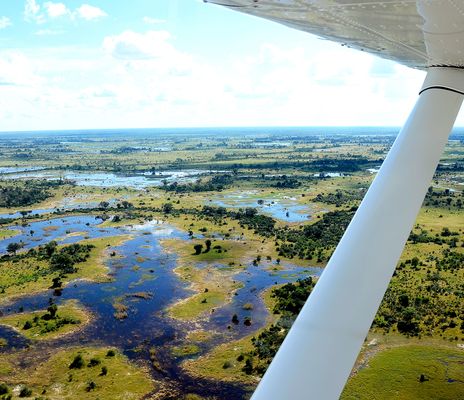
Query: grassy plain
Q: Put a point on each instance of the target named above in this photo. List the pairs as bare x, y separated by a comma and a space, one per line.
55, 379
390, 368
49, 329
30, 275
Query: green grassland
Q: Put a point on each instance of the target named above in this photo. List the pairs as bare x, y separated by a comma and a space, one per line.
70, 317
224, 361
420, 322
26, 275
60, 377
7, 233
396, 373
212, 287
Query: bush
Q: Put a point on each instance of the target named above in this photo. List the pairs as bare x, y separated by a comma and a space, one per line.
27, 325
227, 365
77, 363
93, 362
110, 353
91, 386
25, 392
4, 388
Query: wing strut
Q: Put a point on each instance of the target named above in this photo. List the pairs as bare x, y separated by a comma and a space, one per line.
317, 356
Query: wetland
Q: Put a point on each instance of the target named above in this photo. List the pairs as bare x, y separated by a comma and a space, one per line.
180, 259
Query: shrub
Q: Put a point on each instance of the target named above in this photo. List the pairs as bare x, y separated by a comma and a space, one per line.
110, 353
93, 362
4, 388
227, 365
27, 325
91, 386
77, 363
25, 392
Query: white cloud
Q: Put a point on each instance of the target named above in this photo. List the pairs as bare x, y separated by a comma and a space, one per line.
32, 12
55, 10
35, 12
89, 13
153, 21
17, 70
5, 22
143, 79
131, 45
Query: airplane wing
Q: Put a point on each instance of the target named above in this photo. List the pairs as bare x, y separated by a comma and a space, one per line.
316, 357
407, 31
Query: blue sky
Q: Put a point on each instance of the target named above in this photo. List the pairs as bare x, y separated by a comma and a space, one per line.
75, 64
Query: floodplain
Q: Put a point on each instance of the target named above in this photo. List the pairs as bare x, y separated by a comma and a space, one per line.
176, 261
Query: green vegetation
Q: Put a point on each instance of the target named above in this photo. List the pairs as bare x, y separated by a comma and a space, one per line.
7, 233
288, 301
213, 288
420, 315
51, 323
79, 373
53, 266
185, 350
410, 373
26, 193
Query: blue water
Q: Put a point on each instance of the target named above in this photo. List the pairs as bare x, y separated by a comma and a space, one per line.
284, 209
147, 323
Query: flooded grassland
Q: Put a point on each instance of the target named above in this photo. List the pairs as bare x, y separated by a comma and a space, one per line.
143, 268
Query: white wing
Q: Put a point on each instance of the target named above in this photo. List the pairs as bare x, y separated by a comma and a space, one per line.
319, 352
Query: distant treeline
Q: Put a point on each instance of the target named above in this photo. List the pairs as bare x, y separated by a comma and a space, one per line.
26, 193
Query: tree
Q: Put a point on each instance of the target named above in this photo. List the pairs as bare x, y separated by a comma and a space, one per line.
198, 248
52, 310
104, 204
27, 325
62, 262
208, 245
167, 208
25, 392
77, 363
13, 247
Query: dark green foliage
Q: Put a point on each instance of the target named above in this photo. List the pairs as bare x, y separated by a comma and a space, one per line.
198, 248
93, 362
23, 195
104, 371
215, 184
27, 325
311, 240
290, 298
433, 305
91, 386
25, 392
13, 247
4, 389
110, 353
64, 259
444, 198
341, 197
167, 208
287, 183
77, 363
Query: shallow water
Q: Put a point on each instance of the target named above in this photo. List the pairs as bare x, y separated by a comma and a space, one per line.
143, 266
108, 179
285, 208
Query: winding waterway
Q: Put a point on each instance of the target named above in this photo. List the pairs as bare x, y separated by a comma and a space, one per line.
143, 265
